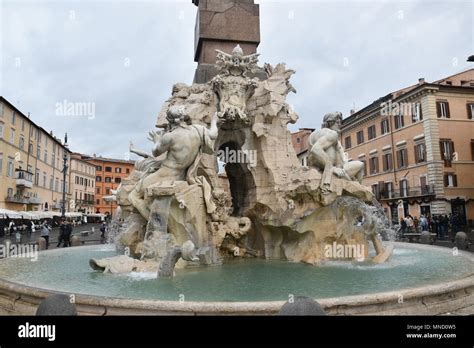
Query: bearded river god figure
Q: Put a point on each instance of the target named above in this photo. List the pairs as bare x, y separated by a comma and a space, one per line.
178, 212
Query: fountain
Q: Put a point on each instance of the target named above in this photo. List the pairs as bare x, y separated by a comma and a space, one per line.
193, 243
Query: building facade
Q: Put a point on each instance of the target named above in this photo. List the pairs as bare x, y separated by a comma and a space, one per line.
109, 173
31, 162
418, 147
299, 139
82, 179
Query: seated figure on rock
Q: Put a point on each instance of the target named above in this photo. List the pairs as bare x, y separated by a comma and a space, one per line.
327, 155
183, 144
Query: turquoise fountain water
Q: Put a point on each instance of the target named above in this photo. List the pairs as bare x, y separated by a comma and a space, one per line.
67, 270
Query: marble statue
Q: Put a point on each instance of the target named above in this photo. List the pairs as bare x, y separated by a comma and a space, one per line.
232, 85
327, 155
182, 143
178, 212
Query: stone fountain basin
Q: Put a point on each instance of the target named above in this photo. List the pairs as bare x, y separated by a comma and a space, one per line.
453, 296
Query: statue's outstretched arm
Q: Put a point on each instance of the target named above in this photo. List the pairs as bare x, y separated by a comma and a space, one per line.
138, 152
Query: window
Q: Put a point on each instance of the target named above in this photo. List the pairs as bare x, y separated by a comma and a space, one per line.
108, 179
97, 201
472, 149
347, 142
371, 132
107, 191
399, 121
44, 179
22, 125
128, 171
416, 113
388, 190
387, 162
108, 169
21, 143
1, 130
1, 109
360, 137
403, 188
98, 168
119, 170
298, 140
1, 163
98, 190
118, 180
45, 156
442, 109
98, 178
51, 182
30, 148
13, 118
420, 153
37, 174
384, 126
374, 165
53, 159
12, 135
10, 167
38, 152
450, 180
375, 190
447, 150
402, 158
56, 184
470, 111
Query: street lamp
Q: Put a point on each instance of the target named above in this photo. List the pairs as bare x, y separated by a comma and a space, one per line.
63, 203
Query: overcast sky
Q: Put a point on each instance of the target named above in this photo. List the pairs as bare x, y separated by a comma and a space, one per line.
124, 56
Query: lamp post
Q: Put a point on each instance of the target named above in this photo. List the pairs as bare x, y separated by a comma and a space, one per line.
63, 203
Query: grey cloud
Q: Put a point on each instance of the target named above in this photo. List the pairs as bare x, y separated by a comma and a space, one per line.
82, 58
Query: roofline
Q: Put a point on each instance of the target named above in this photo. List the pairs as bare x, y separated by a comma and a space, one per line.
105, 159
374, 106
448, 77
3, 100
435, 83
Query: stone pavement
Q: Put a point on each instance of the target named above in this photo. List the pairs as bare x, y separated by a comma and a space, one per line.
89, 234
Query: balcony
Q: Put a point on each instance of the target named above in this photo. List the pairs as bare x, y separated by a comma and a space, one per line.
24, 179
22, 199
410, 192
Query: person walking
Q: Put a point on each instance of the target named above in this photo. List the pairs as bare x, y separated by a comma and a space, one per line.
45, 229
67, 235
103, 229
62, 232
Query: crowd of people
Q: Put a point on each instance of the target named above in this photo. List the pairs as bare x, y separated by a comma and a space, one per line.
443, 225
21, 230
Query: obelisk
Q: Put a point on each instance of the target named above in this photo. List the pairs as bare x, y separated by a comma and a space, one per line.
223, 24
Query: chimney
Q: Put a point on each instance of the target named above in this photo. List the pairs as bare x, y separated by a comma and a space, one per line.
352, 111
421, 80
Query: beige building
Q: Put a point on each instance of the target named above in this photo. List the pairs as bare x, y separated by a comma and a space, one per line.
82, 179
418, 146
31, 161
